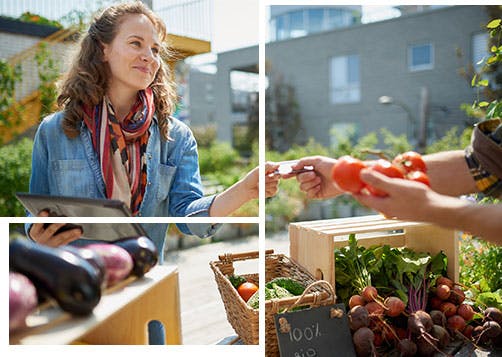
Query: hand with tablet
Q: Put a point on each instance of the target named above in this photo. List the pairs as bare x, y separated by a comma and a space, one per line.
54, 234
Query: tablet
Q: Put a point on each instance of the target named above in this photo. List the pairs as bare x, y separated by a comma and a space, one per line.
64, 206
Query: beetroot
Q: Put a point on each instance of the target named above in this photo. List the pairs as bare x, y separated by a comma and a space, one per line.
374, 308
369, 293
363, 342
466, 311
356, 300
491, 329
419, 322
448, 309
407, 348
425, 347
444, 280
455, 323
440, 333
22, 300
443, 292
435, 303
118, 262
457, 295
493, 314
438, 318
358, 317
467, 331
394, 306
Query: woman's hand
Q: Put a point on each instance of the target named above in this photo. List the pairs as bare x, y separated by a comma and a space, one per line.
271, 181
47, 236
316, 184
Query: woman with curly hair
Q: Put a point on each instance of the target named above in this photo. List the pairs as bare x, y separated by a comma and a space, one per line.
115, 137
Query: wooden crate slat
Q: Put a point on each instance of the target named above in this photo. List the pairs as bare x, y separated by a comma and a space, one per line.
312, 244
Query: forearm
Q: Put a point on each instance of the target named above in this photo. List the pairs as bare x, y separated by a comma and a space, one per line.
449, 174
477, 219
230, 200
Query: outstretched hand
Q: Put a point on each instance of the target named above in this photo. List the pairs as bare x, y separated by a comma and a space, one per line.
317, 184
405, 199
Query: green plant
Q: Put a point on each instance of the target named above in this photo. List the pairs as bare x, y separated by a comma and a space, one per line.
491, 108
205, 135
48, 73
15, 165
9, 76
37, 19
480, 265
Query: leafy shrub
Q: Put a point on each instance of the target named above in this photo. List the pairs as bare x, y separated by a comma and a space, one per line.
218, 157
15, 165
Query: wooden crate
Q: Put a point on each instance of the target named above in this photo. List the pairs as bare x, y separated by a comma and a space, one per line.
312, 244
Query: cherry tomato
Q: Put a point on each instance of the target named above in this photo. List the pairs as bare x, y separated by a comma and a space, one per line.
346, 172
419, 176
388, 169
246, 290
410, 161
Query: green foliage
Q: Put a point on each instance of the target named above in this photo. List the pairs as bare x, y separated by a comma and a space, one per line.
480, 265
205, 135
218, 157
9, 76
37, 19
492, 108
15, 165
451, 141
48, 73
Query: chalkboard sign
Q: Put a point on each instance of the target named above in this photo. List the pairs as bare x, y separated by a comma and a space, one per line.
315, 332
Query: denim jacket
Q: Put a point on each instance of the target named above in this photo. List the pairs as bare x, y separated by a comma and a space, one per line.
70, 167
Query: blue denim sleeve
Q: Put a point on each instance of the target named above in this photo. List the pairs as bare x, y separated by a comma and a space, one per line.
186, 195
39, 162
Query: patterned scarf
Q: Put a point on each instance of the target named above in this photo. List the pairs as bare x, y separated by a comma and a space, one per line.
121, 147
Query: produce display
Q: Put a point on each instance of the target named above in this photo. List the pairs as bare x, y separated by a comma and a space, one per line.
74, 277
276, 288
402, 303
409, 165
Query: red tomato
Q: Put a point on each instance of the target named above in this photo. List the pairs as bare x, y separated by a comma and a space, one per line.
246, 290
388, 169
419, 176
346, 172
410, 161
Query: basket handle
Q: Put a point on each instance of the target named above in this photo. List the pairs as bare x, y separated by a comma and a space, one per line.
317, 295
229, 257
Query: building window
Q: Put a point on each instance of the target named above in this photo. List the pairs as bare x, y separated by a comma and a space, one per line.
420, 57
316, 17
243, 85
345, 86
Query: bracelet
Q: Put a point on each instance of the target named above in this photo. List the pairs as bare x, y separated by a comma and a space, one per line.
486, 182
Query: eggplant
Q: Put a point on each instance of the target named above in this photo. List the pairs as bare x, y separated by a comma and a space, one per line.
65, 276
143, 252
93, 258
118, 262
22, 300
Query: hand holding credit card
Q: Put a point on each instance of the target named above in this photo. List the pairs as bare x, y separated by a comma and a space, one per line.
286, 168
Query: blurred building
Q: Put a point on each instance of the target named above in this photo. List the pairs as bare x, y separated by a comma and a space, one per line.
343, 76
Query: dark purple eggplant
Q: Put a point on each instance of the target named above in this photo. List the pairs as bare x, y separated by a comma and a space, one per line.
143, 252
93, 258
65, 276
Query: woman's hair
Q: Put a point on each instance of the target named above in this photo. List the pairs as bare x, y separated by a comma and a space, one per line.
86, 81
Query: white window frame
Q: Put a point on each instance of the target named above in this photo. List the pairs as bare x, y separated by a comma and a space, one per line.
351, 92
421, 67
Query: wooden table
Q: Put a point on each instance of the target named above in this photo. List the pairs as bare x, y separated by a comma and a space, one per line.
121, 317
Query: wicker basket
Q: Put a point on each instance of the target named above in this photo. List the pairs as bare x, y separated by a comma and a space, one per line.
316, 294
244, 319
